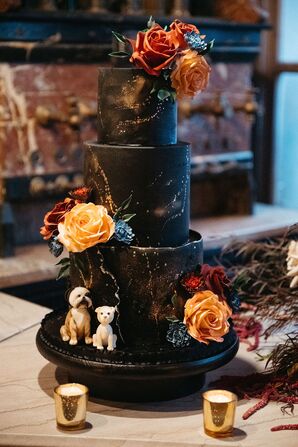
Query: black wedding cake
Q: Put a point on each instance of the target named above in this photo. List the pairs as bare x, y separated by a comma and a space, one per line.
139, 279
146, 317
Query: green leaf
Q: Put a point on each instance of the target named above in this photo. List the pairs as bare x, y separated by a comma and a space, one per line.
128, 217
63, 261
79, 263
124, 205
173, 319
119, 37
175, 300
163, 94
151, 22
173, 96
208, 48
64, 272
155, 87
166, 74
119, 54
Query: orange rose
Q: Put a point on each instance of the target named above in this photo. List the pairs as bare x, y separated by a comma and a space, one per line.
85, 226
179, 28
56, 215
191, 74
206, 317
154, 50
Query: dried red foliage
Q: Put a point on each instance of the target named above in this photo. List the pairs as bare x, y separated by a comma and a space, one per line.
263, 386
248, 327
285, 427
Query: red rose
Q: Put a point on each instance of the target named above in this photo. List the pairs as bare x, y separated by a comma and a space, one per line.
179, 29
82, 193
216, 280
154, 50
192, 282
56, 215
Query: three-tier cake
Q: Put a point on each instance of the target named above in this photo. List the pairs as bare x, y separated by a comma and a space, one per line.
169, 326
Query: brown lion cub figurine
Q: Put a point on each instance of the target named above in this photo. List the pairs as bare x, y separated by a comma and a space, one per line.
77, 321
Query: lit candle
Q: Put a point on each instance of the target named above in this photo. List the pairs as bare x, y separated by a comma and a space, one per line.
219, 412
71, 390
71, 405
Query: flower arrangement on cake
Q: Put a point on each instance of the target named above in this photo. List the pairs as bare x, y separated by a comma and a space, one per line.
175, 56
203, 304
78, 224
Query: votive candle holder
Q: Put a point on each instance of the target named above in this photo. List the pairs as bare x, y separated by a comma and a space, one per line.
219, 407
71, 406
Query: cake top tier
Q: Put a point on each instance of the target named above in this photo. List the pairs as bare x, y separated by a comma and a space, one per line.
128, 113
137, 105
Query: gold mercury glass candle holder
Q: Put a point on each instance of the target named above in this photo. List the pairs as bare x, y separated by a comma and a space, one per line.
71, 405
219, 408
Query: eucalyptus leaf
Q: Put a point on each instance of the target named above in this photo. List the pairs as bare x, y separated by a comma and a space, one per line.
119, 54
119, 37
63, 261
162, 94
173, 319
64, 272
175, 300
124, 205
151, 22
128, 217
79, 263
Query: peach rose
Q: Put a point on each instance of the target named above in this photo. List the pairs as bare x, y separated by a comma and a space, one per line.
154, 49
179, 29
191, 74
84, 226
206, 317
56, 215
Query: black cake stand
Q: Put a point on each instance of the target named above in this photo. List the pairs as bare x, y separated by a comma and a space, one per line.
134, 375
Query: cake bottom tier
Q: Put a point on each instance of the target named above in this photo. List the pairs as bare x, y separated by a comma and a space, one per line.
131, 373
140, 282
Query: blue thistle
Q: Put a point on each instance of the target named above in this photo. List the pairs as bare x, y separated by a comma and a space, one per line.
56, 248
123, 232
195, 42
177, 335
234, 301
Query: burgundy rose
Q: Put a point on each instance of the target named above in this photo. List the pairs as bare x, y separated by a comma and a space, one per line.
216, 280
55, 216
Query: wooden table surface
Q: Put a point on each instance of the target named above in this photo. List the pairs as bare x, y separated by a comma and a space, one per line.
35, 263
27, 416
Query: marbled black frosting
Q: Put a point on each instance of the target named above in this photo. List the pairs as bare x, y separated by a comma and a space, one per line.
158, 179
128, 113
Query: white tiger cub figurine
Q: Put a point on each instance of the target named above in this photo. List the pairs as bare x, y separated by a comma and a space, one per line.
104, 336
77, 321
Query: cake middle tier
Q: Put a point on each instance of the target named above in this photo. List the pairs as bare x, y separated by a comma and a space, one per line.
156, 177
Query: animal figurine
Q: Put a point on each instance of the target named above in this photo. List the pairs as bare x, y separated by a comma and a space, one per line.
77, 321
104, 336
